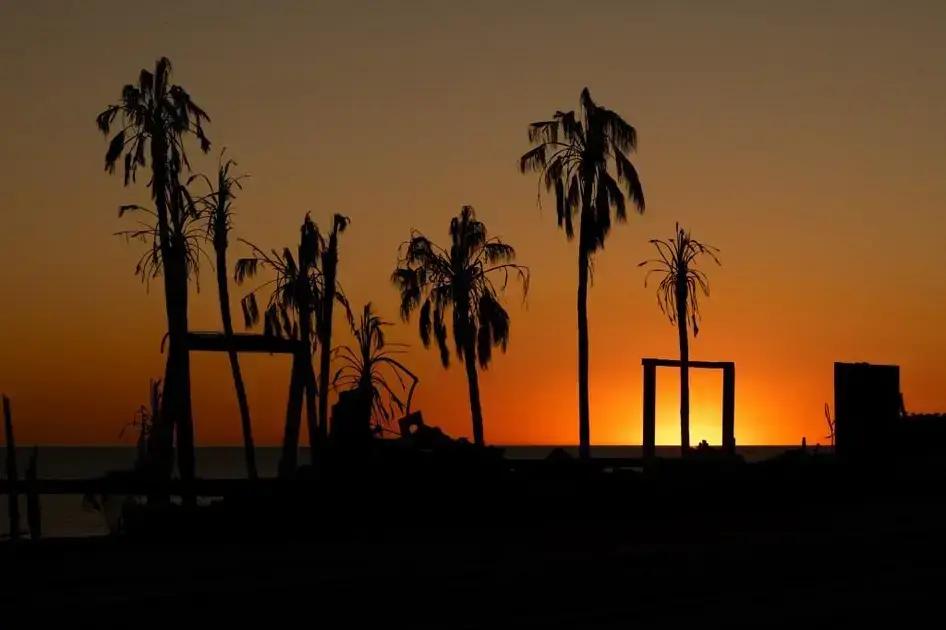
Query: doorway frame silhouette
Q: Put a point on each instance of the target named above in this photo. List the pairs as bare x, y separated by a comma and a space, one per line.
650, 366
247, 342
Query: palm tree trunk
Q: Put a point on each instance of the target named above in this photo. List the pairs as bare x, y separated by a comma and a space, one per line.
584, 409
330, 269
308, 382
163, 438
325, 359
177, 395
176, 403
473, 381
223, 291
290, 440
684, 371
311, 413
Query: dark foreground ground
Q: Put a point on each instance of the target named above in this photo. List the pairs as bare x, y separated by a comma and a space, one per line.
661, 559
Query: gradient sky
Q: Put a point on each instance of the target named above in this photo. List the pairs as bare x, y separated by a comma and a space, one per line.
804, 139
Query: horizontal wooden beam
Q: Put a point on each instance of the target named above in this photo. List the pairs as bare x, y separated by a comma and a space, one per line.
130, 485
711, 365
235, 487
241, 342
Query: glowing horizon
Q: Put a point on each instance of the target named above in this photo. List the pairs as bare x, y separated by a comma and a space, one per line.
801, 140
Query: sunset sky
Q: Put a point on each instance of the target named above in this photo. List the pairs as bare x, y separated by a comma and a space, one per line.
804, 139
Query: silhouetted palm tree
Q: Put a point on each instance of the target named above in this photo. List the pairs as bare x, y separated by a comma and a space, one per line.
155, 116
289, 313
831, 426
368, 365
329, 259
146, 418
677, 298
460, 279
573, 157
217, 205
293, 311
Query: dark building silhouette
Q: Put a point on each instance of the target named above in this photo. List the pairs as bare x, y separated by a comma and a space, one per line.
867, 408
871, 420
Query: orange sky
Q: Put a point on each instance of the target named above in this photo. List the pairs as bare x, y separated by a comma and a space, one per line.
805, 141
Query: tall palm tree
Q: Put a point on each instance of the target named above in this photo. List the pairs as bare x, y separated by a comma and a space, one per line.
329, 260
154, 118
217, 206
460, 279
573, 155
368, 366
677, 295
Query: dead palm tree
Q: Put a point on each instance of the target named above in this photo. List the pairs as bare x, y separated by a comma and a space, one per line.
329, 286
677, 297
369, 366
217, 206
154, 117
460, 279
573, 155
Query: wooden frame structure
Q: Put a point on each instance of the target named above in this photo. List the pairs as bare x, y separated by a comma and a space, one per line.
246, 342
650, 399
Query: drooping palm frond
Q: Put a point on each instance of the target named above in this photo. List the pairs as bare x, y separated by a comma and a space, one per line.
189, 237
831, 424
296, 290
152, 110
680, 280
464, 281
216, 204
151, 122
370, 366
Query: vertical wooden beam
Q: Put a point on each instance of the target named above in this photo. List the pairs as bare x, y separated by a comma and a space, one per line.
729, 408
34, 518
11, 471
650, 404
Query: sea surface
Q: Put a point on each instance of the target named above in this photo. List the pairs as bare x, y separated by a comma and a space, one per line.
66, 515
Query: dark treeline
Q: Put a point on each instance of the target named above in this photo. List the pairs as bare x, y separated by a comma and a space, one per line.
455, 290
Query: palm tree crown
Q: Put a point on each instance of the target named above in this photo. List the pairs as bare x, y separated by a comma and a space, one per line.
294, 286
572, 156
369, 365
459, 279
154, 115
680, 280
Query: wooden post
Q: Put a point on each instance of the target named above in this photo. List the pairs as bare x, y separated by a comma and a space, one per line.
11, 471
34, 517
729, 408
650, 404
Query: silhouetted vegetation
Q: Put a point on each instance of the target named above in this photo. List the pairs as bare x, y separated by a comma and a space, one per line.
217, 206
144, 421
370, 367
154, 118
326, 294
829, 421
460, 279
295, 301
677, 296
573, 156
